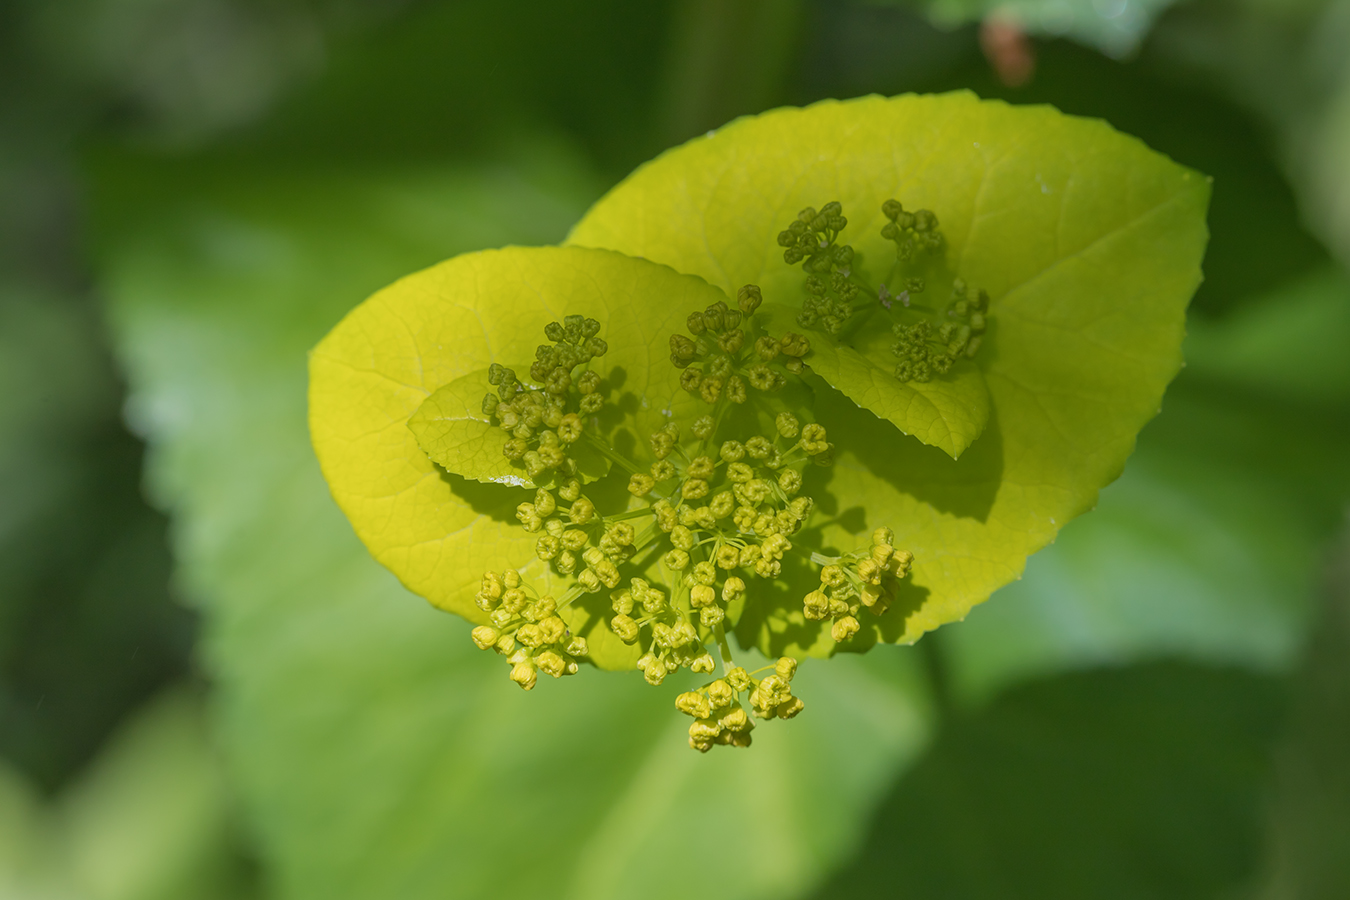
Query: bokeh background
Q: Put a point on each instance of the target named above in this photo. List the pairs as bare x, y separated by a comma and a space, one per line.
209, 690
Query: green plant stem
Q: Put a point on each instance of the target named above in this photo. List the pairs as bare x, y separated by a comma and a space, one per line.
725, 648
608, 451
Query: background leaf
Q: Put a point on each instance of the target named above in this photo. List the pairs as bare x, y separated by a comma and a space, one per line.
1116, 783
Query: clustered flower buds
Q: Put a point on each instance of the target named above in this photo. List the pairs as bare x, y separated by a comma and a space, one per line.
526, 630
913, 232
719, 359
721, 718
542, 423
810, 239
924, 349
862, 579
927, 343
711, 516
830, 292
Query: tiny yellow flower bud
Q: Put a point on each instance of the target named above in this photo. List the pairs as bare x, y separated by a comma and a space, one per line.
706, 729
574, 540
694, 489
869, 571
720, 694
736, 720
676, 559
524, 674
813, 439
624, 628
693, 704
833, 576
640, 485
703, 664
589, 580
710, 616
682, 538
739, 679
870, 594
789, 708
794, 344
816, 605
728, 557
582, 511
485, 636
552, 628
608, 573
748, 298
576, 646
844, 629
701, 595
550, 663
705, 573
570, 490
514, 600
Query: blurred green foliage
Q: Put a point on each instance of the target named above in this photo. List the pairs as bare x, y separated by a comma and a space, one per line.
1144, 713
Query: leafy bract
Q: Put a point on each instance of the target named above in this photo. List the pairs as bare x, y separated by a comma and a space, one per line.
381, 363
948, 412
1088, 242
380, 754
452, 429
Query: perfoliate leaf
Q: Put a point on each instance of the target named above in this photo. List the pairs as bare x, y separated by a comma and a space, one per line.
368, 377
452, 429
1088, 243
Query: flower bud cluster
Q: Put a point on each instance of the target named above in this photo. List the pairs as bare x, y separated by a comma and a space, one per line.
706, 519
862, 579
527, 631
718, 359
830, 291
924, 348
542, 423
913, 232
811, 240
675, 642
575, 539
721, 718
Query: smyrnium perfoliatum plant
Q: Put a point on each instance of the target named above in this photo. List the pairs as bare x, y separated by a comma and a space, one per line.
822, 379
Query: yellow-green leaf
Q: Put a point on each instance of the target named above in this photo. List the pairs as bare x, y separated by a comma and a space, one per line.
1088, 243
439, 532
